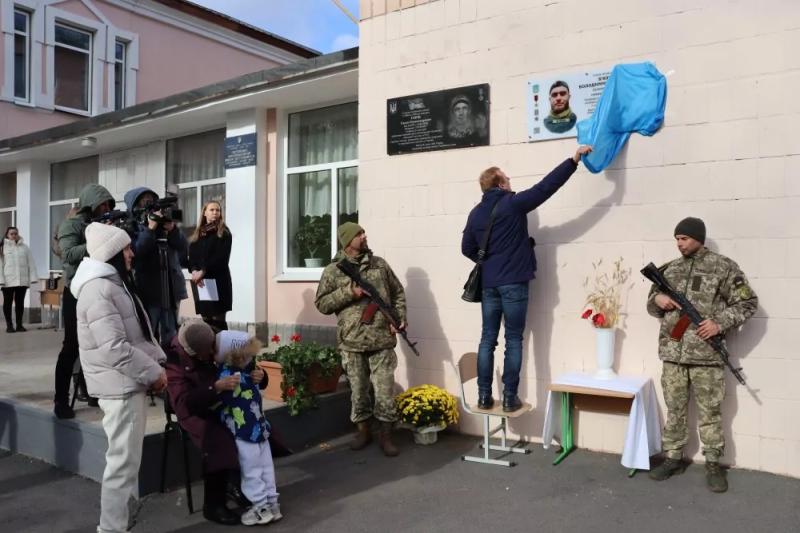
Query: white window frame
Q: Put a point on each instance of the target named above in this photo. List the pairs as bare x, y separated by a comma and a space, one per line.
72, 202
90, 55
35, 38
131, 42
27, 34
13, 211
287, 273
199, 197
118, 61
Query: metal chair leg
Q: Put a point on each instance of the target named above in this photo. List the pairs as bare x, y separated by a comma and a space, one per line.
186, 473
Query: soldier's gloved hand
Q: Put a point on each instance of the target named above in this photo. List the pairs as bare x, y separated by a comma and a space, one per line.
707, 329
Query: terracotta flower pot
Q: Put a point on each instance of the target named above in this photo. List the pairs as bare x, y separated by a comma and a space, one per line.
273, 390
320, 384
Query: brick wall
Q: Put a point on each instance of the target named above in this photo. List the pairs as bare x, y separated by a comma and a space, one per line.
727, 153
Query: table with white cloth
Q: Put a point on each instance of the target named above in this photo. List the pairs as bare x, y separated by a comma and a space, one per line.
643, 436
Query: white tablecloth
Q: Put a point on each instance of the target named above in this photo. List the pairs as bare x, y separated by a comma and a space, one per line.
643, 437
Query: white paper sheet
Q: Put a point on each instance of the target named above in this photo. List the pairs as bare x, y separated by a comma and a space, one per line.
208, 292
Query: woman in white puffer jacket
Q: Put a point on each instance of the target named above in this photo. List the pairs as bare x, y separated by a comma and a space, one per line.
17, 273
120, 360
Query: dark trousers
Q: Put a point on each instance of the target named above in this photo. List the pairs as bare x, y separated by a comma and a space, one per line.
69, 349
15, 295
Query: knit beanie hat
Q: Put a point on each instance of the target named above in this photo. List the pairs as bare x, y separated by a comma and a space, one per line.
692, 227
228, 340
104, 242
347, 232
195, 336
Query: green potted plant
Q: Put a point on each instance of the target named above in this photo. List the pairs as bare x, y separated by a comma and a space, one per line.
301, 370
313, 237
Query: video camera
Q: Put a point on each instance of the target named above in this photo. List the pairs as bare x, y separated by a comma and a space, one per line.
167, 207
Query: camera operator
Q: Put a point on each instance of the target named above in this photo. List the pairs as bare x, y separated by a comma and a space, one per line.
160, 249
94, 201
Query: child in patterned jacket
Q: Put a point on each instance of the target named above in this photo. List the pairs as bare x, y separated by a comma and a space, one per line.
242, 413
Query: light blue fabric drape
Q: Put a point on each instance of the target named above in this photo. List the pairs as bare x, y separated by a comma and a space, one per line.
633, 101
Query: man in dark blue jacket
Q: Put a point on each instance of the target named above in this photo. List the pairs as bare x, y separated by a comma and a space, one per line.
508, 267
163, 313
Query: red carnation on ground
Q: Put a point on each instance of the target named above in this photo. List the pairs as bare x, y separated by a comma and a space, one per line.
275, 338
587, 313
295, 337
291, 392
598, 320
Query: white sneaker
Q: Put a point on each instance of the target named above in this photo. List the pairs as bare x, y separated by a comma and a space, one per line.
275, 509
254, 516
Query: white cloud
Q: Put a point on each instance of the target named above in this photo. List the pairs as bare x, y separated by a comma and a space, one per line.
343, 41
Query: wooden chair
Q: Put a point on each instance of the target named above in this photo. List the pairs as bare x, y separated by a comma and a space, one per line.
468, 371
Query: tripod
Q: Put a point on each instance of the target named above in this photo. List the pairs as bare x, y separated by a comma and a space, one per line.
166, 294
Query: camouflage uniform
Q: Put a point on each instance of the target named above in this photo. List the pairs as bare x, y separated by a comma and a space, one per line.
719, 290
368, 355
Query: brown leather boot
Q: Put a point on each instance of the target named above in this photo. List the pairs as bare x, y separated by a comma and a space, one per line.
363, 436
385, 440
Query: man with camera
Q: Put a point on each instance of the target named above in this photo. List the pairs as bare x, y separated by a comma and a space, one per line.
94, 201
160, 249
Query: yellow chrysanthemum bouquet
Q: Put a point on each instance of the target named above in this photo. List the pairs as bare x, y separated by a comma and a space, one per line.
427, 405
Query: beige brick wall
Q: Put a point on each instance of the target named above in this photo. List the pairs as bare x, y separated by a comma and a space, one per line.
727, 153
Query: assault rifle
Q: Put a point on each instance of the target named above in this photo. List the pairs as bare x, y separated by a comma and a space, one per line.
689, 315
376, 302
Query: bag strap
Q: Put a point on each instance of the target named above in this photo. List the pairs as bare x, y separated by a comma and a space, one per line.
485, 243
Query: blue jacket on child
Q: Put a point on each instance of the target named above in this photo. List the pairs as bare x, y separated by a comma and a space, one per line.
241, 408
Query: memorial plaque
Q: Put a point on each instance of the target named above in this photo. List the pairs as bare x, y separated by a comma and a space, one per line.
453, 118
240, 151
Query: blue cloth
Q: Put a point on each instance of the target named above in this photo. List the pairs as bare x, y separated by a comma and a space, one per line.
508, 303
241, 411
633, 100
510, 257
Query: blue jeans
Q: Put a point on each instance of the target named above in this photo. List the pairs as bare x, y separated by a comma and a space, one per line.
510, 304
163, 321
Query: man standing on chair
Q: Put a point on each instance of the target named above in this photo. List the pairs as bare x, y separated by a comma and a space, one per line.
366, 345
508, 268
719, 290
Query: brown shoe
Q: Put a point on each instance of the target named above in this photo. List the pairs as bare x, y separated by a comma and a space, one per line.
363, 436
385, 440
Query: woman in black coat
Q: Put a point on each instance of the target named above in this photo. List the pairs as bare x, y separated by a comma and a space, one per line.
209, 253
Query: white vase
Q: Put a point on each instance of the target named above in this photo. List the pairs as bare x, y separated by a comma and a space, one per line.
313, 262
605, 353
427, 434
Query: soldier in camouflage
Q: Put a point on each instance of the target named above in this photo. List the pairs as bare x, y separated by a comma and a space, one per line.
367, 349
719, 290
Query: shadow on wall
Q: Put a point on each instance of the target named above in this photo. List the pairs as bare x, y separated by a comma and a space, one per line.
540, 310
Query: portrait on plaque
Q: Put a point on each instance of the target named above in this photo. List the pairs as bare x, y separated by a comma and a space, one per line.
453, 118
556, 104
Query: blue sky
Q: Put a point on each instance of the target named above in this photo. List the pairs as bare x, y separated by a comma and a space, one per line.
318, 24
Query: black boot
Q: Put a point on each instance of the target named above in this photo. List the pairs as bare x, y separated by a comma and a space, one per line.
214, 508
511, 403
10, 326
485, 401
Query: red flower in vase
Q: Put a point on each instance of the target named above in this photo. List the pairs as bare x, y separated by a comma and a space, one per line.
587, 313
598, 320
295, 337
275, 338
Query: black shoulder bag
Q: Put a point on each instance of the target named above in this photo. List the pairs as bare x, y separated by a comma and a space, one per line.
473, 287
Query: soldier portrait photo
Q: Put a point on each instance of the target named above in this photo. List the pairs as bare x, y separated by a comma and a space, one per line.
561, 118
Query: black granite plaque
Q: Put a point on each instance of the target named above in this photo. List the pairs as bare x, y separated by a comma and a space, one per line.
453, 118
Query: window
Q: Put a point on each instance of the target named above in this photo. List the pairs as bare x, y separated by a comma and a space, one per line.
120, 50
72, 60
321, 184
22, 55
8, 200
66, 181
195, 166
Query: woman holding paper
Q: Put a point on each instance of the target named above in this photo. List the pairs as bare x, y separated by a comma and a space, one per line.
209, 253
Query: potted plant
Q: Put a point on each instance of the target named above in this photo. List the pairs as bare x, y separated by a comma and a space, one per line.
426, 409
604, 303
301, 370
312, 237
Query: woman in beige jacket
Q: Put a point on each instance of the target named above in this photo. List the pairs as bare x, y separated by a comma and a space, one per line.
120, 360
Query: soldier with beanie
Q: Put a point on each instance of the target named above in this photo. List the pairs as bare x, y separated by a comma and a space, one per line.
94, 200
194, 393
367, 349
719, 290
121, 362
